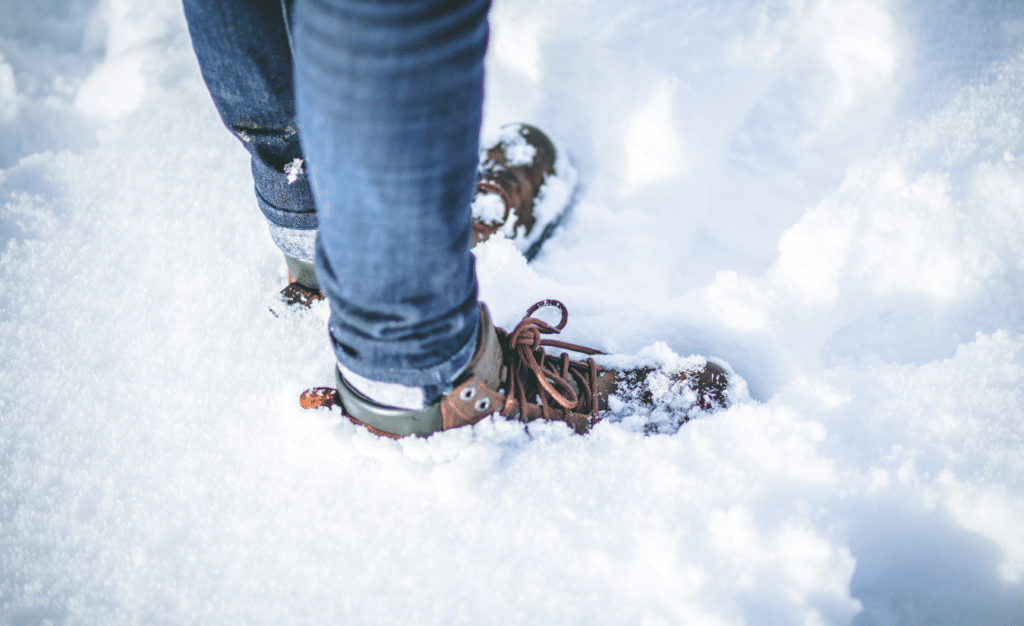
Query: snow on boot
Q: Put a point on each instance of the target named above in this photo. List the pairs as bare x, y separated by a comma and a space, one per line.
525, 188
512, 374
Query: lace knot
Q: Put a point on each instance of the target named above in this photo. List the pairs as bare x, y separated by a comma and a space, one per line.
564, 388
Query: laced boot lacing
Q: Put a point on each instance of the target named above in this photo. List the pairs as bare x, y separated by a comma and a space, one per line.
517, 184
534, 385
515, 189
562, 385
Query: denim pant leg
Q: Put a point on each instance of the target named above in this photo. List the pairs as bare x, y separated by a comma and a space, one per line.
389, 97
244, 54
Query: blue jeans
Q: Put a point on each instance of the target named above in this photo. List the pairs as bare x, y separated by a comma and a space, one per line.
382, 98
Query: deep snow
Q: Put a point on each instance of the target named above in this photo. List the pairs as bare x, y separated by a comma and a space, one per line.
826, 194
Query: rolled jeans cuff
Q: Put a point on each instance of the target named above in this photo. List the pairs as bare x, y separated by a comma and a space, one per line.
402, 361
284, 196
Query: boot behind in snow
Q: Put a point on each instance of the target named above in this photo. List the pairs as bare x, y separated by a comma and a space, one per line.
524, 189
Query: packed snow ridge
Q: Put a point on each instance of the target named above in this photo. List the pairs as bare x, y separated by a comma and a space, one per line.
823, 196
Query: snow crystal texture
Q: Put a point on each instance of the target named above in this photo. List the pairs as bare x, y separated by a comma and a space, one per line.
824, 195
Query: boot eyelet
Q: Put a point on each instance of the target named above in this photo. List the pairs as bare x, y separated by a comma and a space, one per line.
467, 393
482, 404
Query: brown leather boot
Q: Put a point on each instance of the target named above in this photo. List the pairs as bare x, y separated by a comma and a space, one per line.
524, 188
511, 374
302, 291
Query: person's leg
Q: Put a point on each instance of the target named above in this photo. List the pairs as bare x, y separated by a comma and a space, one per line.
244, 54
389, 96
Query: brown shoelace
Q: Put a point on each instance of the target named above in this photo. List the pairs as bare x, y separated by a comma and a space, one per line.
567, 389
536, 385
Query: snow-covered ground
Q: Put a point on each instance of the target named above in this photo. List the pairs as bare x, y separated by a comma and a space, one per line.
826, 194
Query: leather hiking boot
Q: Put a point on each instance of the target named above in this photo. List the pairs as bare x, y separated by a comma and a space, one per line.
302, 291
524, 188
513, 375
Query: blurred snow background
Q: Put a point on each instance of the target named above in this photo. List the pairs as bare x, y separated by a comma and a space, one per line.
827, 194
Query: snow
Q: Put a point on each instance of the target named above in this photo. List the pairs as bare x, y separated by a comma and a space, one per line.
824, 195
517, 150
554, 198
294, 170
488, 208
